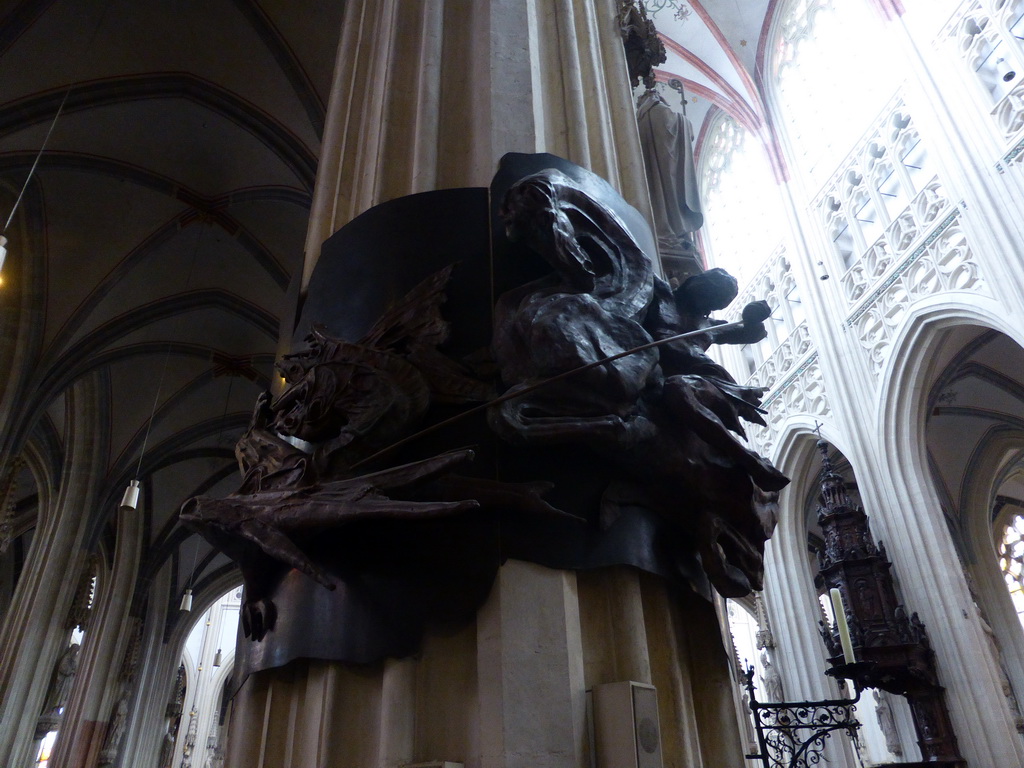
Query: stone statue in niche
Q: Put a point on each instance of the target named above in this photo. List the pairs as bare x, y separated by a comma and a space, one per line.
166, 751
996, 650
115, 732
666, 138
63, 680
667, 415
59, 694
887, 723
172, 712
771, 678
130, 664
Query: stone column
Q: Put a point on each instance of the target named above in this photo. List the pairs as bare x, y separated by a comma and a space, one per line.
158, 667
102, 679
33, 632
508, 690
969, 151
530, 667
430, 95
791, 597
933, 584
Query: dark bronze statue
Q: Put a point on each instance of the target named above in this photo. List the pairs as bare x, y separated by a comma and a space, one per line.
666, 415
345, 401
391, 472
264, 526
352, 399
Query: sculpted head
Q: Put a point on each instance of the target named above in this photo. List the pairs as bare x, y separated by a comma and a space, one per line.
704, 293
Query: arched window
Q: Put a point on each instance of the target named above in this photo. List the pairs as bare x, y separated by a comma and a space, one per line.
829, 79
1011, 561
194, 729
744, 219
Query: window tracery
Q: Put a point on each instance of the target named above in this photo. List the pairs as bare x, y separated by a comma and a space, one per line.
1011, 562
743, 210
894, 233
826, 89
882, 202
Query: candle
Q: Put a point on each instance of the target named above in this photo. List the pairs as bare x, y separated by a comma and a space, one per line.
839, 610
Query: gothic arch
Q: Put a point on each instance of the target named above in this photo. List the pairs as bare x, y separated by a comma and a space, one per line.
790, 594
990, 588
909, 368
915, 531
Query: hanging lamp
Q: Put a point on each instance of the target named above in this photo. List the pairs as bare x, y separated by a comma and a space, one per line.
130, 500
77, 59
186, 599
31, 173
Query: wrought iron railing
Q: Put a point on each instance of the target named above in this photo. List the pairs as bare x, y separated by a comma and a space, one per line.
793, 734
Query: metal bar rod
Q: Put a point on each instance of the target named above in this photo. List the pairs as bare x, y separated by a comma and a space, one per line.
514, 393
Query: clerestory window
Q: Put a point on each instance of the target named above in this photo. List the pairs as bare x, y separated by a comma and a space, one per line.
743, 214
829, 80
1011, 562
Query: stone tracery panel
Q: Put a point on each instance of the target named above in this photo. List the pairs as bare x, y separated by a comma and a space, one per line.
943, 262
785, 363
881, 203
801, 393
1009, 113
987, 35
764, 284
785, 357
788, 339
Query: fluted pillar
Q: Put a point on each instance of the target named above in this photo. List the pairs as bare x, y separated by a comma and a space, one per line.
158, 666
102, 678
33, 633
923, 552
430, 94
530, 653
508, 689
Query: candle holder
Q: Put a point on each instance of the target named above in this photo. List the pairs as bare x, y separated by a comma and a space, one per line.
859, 673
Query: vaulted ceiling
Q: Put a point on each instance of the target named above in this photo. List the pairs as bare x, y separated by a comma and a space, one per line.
160, 230
716, 49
